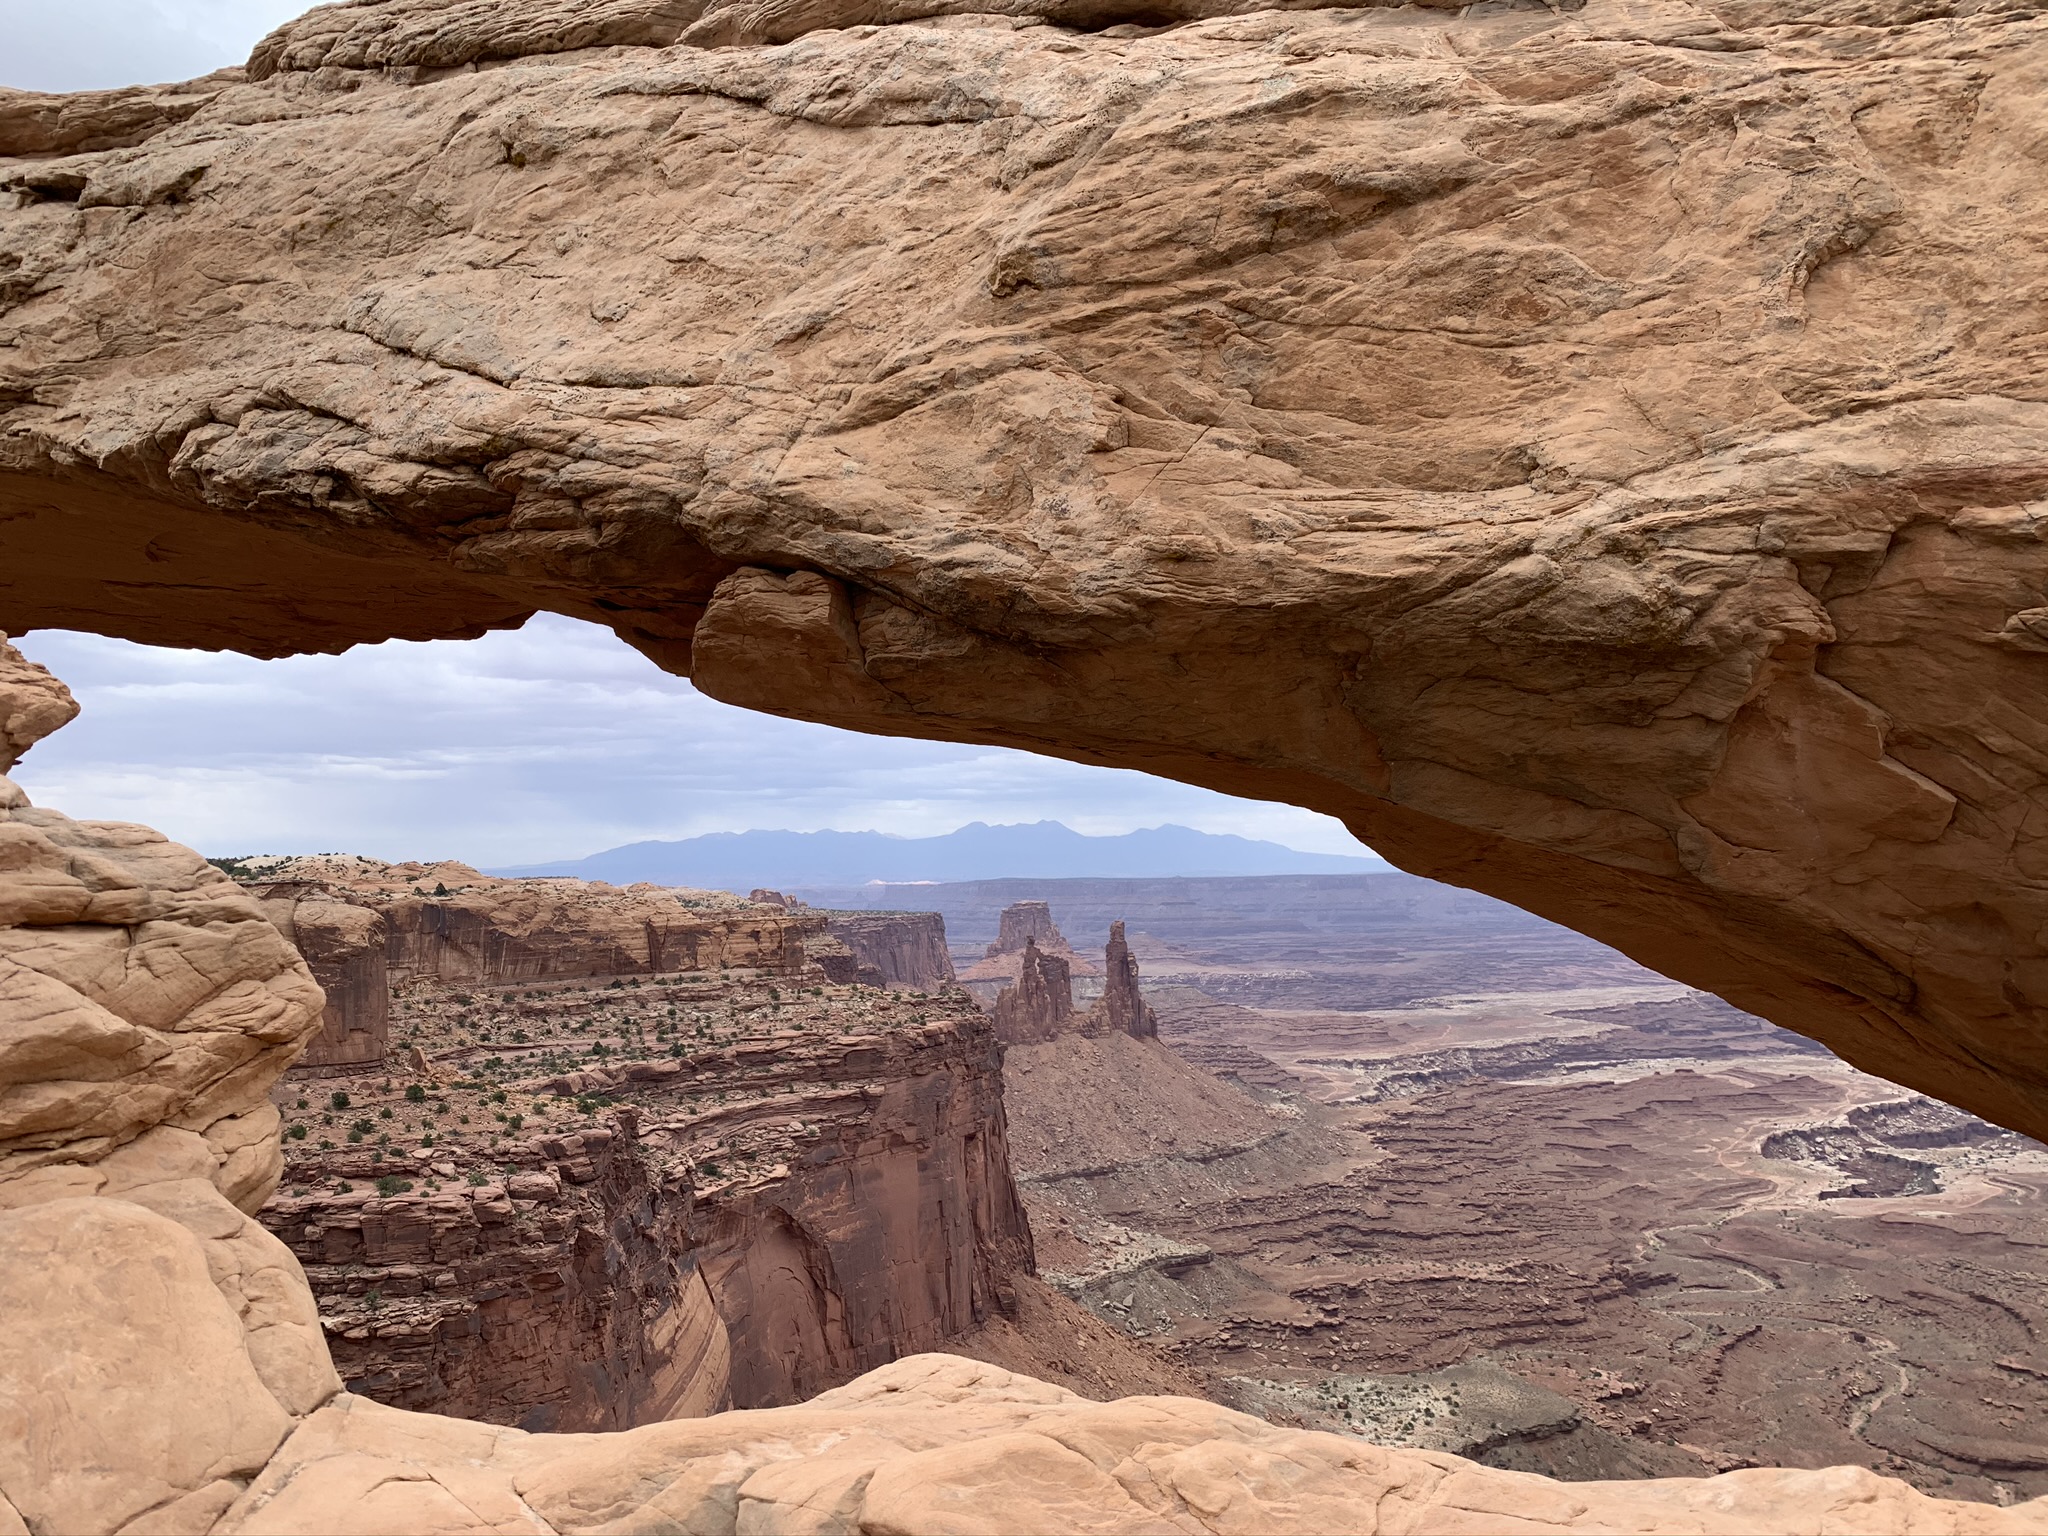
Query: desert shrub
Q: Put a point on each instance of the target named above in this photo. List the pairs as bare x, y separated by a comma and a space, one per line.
338, 1099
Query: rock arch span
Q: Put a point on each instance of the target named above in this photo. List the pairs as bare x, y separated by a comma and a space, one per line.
1596, 452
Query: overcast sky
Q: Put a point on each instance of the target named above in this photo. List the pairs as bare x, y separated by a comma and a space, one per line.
548, 743
78, 45
544, 743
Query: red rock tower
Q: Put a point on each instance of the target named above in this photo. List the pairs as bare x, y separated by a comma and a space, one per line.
1122, 1006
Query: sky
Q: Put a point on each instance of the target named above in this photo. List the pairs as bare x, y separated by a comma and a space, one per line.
550, 742
79, 45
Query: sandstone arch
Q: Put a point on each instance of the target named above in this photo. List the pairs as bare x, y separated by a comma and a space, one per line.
1593, 452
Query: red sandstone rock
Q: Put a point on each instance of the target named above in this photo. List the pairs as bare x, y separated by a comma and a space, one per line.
1041, 1005
1122, 1007
902, 949
446, 922
1024, 924
787, 1182
343, 944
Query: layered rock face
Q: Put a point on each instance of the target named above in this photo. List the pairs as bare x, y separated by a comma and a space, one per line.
753, 1216
1122, 1006
1030, 958
1040, 1006
695, 1195
344, 946
447, 923
1022, 923
902, 949
1465, 423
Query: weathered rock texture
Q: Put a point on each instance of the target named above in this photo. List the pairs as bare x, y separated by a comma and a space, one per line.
1041, 1004
1122, 1008
343, 944
1591, 451
743, 1209
146, 1006
1022, 925
32, 705
902, 949
447, 923
162, 1368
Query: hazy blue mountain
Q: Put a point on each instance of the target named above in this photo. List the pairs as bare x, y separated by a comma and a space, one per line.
1045, 850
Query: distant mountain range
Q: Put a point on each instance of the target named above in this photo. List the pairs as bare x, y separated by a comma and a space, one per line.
1044, 850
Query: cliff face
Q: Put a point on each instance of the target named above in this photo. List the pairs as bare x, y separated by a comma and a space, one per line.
903, 949
1022, 923
1122, 1007
701, 1193
1031, 958
344, 946
523, 1299
448, 923
1040, 1006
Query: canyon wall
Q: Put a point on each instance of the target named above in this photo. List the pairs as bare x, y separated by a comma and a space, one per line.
447, 923
744, 1226
904, 949
585, 1279
344, 945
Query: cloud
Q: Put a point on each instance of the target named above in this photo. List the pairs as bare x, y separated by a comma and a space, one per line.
548, 742
93, 44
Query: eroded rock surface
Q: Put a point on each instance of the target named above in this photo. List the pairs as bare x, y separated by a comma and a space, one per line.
591, 1206
901, 949
1595, 452
1040, 1006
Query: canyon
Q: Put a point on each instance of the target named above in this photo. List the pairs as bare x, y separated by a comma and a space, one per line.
1559, 1216
630, 1155
1595, 451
